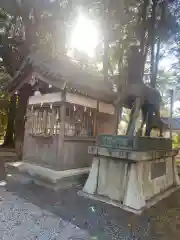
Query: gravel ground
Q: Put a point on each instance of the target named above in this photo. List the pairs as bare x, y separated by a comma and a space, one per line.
22, 220
103, 221
29, 212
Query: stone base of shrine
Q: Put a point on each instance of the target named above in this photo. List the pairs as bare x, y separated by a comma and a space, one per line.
8, 155
178, 168
114, 203
132, 180
23, 172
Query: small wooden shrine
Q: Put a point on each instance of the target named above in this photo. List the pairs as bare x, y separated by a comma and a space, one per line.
68, 109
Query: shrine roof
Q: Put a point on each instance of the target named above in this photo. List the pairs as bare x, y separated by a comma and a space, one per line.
62, 70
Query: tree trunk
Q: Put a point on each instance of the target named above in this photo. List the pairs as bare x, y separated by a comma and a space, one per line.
157, 60
9, 137
106, 41
143, 42
23, 97
156, 40
153, 41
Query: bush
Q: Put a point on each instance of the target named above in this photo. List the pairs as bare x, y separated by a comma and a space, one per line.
176, 141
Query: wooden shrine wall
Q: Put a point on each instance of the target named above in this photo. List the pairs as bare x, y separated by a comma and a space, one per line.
42, 150
49, 145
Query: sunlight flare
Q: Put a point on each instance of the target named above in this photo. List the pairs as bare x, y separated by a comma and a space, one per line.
85, 36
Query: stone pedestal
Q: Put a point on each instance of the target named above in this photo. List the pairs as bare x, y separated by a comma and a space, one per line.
133, 180
24, 172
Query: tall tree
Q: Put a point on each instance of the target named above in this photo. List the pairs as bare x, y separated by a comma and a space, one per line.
30, 25
26, 27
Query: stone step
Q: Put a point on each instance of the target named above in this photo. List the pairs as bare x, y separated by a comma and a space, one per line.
178, 168
25, 173
8, 155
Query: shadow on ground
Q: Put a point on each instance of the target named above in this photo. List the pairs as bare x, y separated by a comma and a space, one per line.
104, 221
101, 220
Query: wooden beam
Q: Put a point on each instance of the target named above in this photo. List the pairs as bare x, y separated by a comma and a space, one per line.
106, 108
81, 100
46, 98
62, 114
118, 117
96, 120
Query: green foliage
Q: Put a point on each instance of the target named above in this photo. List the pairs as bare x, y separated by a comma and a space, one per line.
125, 23
165, 81
176, 141
4, 102
128, 26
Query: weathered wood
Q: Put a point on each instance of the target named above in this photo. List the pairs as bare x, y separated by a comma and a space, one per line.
133, 117
45, 121
63, 114
53, 121
106, 108
80, 100
41, 122
96, 120
71, 98
45, 98
118, 117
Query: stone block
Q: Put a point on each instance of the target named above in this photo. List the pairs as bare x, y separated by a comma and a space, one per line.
133, 184
44, 176
111, 177
102, 176
92, 181
134, 197
134, 143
